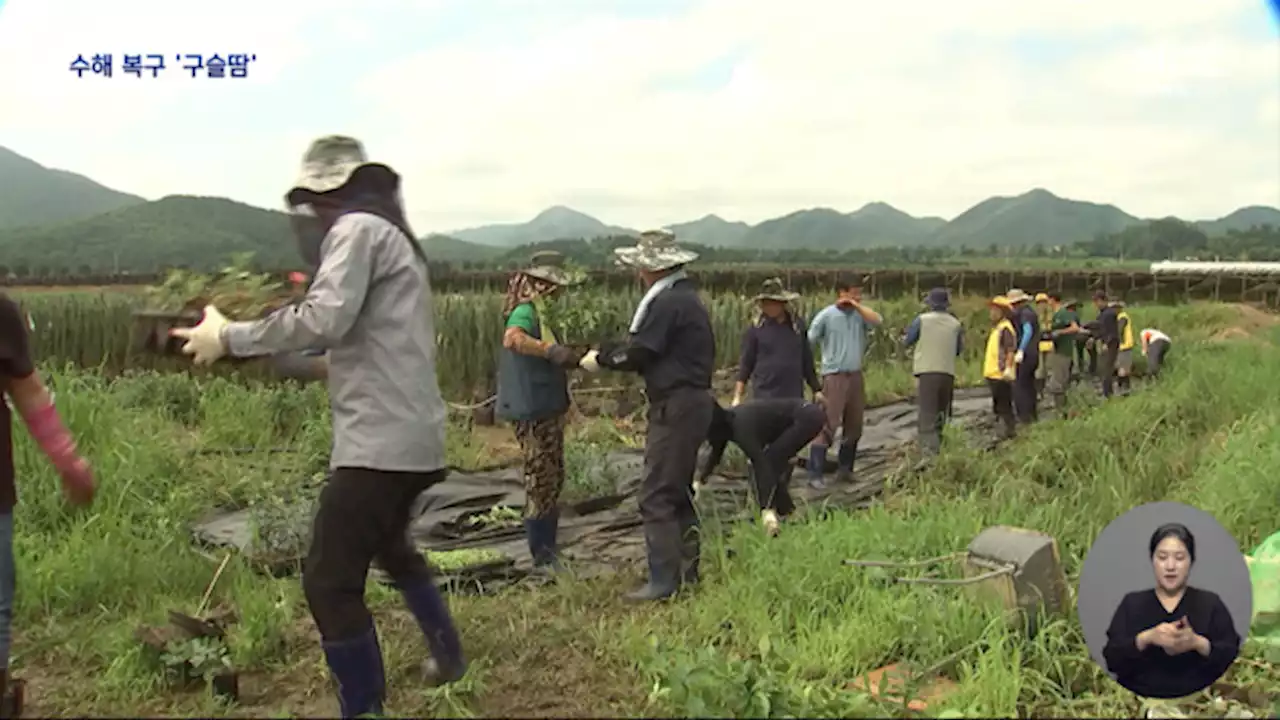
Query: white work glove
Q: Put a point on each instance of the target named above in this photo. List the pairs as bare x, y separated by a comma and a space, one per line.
588, 361
204, 341
1017, 358
737, 400
1009, 375
819, 398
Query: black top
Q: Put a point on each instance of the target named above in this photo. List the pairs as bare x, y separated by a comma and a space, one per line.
15, 363
1108, 327
1155, 673
752, 426
674, 347
778, 359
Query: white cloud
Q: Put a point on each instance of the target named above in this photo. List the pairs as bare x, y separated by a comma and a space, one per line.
1163, 107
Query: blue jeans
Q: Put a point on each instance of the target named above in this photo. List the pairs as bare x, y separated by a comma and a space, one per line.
6, 585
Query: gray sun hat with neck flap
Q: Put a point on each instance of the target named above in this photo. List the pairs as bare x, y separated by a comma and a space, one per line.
330, 163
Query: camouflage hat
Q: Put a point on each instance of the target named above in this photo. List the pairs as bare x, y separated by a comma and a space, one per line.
656, 251
549, 265
329, 163
773, 289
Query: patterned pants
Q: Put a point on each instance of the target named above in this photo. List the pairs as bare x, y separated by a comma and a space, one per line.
542, 447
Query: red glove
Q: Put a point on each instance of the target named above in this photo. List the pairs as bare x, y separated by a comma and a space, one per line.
55, 440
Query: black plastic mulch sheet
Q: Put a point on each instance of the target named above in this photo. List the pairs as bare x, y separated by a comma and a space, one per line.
603, 534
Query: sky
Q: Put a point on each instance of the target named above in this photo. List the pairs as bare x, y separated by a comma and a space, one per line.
650, 112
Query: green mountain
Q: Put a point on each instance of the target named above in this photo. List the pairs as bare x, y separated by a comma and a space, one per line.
442, 248
874, 225
1036, 217
1243, 219
555, 223
198, 232
36, 195
711, 231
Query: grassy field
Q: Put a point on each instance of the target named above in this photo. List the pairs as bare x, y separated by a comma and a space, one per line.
779, 628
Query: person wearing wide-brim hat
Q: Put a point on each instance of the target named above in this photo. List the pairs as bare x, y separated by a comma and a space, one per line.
369, 305
999, 366
776, 356
671, 344
533, 394
1027, 323
936, 338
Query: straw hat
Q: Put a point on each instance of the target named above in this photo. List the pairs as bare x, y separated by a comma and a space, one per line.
1015, 296
656, 251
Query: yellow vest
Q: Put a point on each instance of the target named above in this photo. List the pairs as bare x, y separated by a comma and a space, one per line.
1126, 334
991, 361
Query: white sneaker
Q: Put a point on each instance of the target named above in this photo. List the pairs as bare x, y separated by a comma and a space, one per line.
769, 519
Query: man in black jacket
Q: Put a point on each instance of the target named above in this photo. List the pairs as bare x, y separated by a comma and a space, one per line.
672, 346
1107, 339
770, 433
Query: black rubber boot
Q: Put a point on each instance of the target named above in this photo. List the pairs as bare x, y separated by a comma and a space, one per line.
541, 534
356, 665
844, 462
447, 663
666, 552
690, 554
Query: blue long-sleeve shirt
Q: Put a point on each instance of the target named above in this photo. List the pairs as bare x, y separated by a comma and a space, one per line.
842, 335
913, 336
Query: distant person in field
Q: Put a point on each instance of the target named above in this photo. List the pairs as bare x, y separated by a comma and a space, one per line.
999, 363
1079, 364
672, 346
370, 306
842, 330
776, 359
1063, 327
770, 432
1044, 313
1027, 357
1155, 347
936, 338
1124, 357
26, 394
533, 393
1106, 341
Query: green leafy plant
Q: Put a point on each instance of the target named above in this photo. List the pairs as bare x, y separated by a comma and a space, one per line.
236, 290
202, 658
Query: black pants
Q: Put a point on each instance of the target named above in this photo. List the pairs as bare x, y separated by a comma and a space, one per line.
1107, 368
363, 516
1002, 405
1025, 392
678, 424
934, 393
1157, 351
771, 458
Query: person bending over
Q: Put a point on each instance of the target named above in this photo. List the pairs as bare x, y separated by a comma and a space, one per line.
770, 433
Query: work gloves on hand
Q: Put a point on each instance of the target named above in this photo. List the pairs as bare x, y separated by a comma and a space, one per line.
204, 341
1017, 358
564, 357
588, 361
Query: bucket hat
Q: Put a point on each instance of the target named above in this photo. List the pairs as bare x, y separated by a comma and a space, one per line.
655, 251
938, 298
329, 163
773, 289
548, 265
